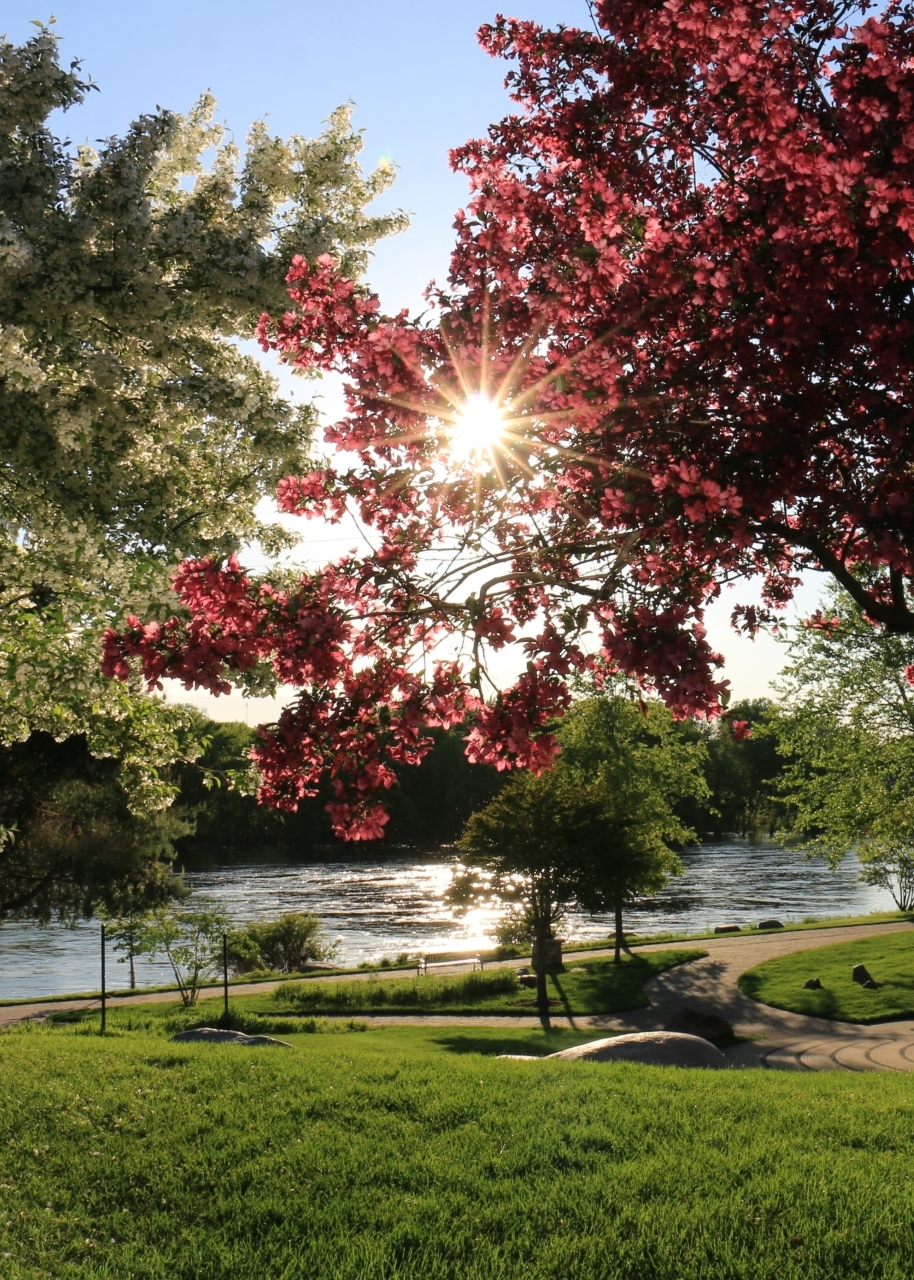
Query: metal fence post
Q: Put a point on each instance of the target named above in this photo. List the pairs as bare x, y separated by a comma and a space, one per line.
225, 972
103, 981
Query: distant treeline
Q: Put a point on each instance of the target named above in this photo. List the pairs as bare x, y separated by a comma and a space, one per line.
431, 803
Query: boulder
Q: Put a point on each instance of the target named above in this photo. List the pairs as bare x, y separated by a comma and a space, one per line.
216, 1035
812, 984
728, 928
771, 924
861, 974
709, 1026
653, 1048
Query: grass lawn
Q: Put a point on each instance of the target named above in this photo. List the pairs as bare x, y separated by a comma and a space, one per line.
889, 958
583, 987
413, 1154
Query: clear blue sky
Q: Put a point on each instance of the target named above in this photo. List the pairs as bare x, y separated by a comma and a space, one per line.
413, 68
420, 84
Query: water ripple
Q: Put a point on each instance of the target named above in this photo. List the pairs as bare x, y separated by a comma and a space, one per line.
384, 906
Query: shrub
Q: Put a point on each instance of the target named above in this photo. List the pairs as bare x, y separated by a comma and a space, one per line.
285, 945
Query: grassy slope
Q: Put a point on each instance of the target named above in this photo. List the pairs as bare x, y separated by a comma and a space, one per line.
889, 958
408, 1155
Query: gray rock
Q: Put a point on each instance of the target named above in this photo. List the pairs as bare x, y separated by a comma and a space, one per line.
771, 924
870, 985
812, 984
728, 928
710, 1026
518, 1057
861, 974
215, 1035
653, 1048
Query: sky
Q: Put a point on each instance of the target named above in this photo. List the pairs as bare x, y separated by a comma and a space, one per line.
420, 85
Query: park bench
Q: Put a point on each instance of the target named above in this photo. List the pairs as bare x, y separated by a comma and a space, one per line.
448, 960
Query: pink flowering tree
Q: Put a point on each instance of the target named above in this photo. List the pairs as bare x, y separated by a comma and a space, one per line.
674, 350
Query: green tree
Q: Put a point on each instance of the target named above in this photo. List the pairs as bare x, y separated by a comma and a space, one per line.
847, 732
597, 830
76, 842
645, 773
191, 940
742, 772
528, 848
135, 430
128, 934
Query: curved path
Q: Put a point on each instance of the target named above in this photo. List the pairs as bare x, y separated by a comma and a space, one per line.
771, 1037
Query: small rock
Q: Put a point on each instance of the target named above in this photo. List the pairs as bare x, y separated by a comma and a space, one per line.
861, 974
709, 1026
653, 1048
771, 924
728, 928
870, 985
812, 984
216, 1035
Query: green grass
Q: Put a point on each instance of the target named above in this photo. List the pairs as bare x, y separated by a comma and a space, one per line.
584, 987
889, 958
415, 1155
587, 987
571, 950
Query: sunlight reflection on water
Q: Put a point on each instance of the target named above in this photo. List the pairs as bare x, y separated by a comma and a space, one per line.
381, 906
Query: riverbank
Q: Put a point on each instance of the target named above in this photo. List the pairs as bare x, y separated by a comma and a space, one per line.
391, 905
266, 982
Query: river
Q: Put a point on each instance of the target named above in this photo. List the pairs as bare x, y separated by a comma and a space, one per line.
382, 906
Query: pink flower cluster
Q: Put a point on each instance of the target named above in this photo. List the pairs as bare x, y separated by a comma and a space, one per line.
685, 266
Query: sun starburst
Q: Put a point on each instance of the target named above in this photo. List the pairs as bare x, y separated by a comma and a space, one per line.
476, 430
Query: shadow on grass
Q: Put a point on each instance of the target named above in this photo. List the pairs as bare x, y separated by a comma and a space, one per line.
813, 1004
539, 1043
566, 1003
601, 986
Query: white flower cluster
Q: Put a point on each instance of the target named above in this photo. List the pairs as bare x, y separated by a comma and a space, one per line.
134, 430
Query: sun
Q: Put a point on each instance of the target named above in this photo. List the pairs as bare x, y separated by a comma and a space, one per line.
476, 429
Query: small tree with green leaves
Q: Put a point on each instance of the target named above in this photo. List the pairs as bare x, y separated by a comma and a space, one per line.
631, 754
191, 940
129, 936
525, 848
597, 830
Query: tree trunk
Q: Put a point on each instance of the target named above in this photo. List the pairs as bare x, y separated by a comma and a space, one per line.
619, 934
132, 973
542, 990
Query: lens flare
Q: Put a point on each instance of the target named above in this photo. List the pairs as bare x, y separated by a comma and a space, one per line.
477, 429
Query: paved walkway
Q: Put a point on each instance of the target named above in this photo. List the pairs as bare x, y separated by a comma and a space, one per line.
787, 1041
773, 1038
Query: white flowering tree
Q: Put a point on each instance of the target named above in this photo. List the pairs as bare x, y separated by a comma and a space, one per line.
134, 429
